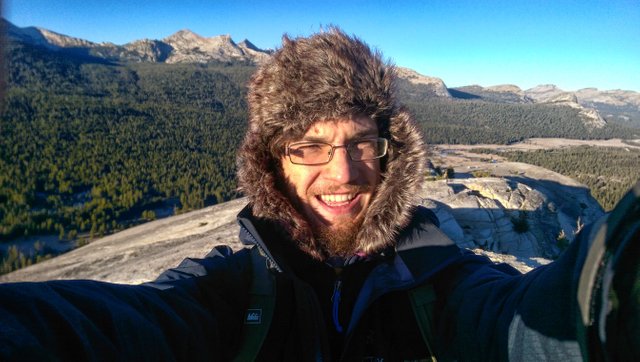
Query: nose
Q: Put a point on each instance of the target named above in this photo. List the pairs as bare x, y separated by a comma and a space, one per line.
341, 168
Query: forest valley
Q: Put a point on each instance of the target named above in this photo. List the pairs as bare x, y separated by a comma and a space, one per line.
89, 147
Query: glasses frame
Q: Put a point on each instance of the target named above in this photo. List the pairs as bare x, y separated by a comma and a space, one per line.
334, 147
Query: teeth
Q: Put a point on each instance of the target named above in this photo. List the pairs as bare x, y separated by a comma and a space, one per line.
340, 198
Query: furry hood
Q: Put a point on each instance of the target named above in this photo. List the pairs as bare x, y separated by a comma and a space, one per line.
328, 76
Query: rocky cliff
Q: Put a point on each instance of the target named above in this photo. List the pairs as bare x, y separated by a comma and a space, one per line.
435, 85
530, 220
549, 93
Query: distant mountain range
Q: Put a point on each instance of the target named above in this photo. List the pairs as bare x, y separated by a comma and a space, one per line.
181, 47
595, 106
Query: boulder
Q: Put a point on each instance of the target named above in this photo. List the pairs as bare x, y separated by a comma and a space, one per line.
531, 220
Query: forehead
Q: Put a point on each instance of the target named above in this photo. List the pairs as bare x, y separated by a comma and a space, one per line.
347, 128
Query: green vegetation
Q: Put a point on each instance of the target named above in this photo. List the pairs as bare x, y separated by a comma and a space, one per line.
473, 122
441, 173
608, 172
89, 147
520, 223
481, 173
562, 241
16, 259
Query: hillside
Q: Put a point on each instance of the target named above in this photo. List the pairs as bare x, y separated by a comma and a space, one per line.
88, 146
595, 107
524, 215
609, 168
95, 140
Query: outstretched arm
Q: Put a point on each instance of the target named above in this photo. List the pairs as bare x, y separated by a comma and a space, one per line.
493, 313
192, 312
583, 305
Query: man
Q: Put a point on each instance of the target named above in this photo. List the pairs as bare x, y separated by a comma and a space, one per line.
342, 264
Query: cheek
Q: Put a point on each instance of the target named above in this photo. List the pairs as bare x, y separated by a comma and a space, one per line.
297, 179
303, 182
373, 174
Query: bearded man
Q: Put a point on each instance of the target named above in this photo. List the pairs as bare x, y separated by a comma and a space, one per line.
341, 263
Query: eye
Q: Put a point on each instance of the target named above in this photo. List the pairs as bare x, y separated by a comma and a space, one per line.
364, 149
311, 148
307, 150
366, 145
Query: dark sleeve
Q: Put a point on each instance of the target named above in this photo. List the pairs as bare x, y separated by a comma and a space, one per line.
493, 313
196, 316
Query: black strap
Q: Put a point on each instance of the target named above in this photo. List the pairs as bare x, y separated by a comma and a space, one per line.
422, 300
259, 313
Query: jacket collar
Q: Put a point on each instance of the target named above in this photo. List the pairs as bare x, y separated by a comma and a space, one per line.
250, 236
421, 252
422, 249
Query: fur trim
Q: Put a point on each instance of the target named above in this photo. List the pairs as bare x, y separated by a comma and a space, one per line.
328, 76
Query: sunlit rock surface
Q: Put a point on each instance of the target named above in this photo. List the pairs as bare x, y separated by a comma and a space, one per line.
516, 216
141, 253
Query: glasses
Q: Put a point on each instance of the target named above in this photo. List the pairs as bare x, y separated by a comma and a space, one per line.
318, 153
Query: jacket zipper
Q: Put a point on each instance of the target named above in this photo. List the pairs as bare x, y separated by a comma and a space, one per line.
383, 292
335, 299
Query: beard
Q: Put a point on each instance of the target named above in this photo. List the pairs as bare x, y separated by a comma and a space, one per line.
339, 239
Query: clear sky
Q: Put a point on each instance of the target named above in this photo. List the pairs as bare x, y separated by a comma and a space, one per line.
573, 44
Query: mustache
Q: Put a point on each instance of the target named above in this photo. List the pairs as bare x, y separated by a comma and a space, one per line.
343, 188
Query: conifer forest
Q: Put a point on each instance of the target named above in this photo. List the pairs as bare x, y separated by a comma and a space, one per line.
89, 146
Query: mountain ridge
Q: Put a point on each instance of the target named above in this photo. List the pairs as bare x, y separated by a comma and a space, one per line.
186, 46
183, 46
595, 106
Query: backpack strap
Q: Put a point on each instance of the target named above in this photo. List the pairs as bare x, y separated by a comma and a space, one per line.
259, 313
427, 248
422, 301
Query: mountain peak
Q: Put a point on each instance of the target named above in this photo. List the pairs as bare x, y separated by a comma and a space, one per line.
249, 45
550, 93
439, 88
544, 88
182, 35
186, 32
43, 37
509, 88
189, 47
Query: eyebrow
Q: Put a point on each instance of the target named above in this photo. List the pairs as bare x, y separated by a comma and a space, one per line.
362, 134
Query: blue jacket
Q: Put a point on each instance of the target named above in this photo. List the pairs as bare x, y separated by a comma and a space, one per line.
483, 311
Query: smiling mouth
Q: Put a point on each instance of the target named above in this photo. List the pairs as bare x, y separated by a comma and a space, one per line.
336, 200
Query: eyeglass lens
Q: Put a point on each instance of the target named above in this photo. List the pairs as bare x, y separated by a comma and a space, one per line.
318, 153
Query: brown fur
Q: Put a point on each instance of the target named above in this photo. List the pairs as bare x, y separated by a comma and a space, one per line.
328, 76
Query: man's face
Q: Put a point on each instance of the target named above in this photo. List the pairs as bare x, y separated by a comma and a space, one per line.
334, 196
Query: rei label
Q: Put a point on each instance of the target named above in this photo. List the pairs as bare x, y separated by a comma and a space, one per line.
253, 316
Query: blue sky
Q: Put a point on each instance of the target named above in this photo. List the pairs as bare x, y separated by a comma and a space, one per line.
573, 44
